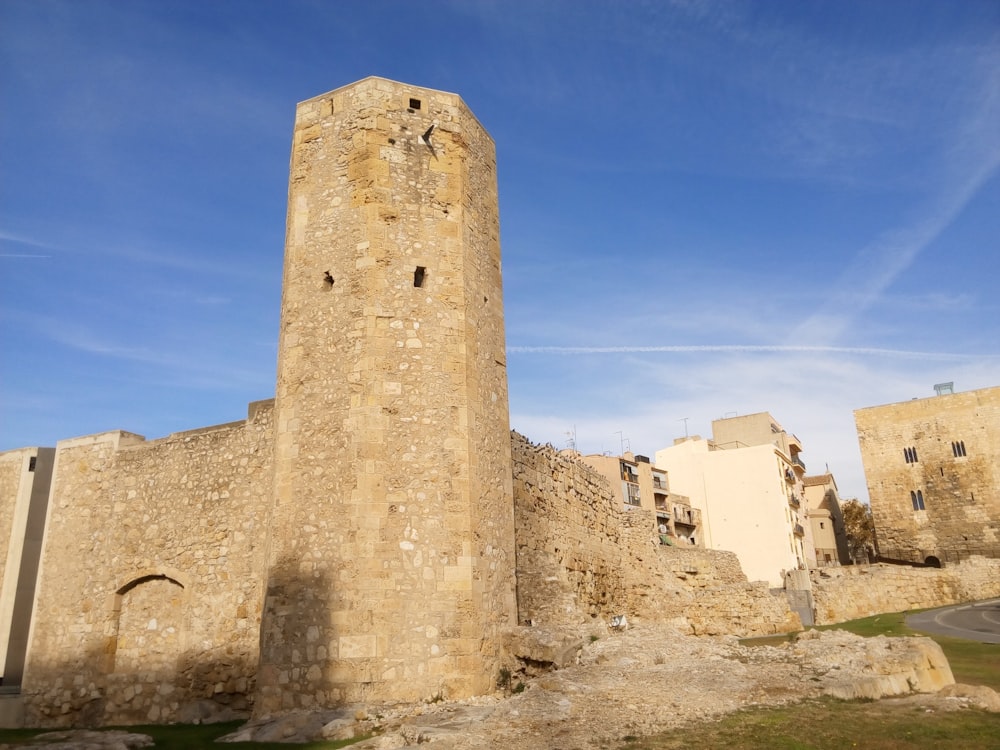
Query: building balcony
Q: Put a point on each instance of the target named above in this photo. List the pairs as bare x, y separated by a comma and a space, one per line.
659, 484
799, 531
797, 463
794, 501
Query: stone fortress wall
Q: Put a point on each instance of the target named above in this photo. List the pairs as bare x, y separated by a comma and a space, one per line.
152, 580
944, 450
391, 569
360, 537
580, 557
854, 591
151, 601
25, 476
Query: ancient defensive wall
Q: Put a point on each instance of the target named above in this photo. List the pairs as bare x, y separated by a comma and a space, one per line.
151, 582
373, 532
933, 471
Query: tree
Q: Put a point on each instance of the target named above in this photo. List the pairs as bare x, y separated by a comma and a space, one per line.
860, 530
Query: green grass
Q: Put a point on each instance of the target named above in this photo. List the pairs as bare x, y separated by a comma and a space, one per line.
185, 737
829, 724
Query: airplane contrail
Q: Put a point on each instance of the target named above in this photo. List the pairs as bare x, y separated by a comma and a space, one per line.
735, 348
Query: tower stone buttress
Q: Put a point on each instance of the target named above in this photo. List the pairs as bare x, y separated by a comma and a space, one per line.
391, 551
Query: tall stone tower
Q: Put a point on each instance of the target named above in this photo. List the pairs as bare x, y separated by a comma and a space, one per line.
391, 549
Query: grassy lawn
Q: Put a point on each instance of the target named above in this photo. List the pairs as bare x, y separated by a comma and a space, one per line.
184, 737
835, 725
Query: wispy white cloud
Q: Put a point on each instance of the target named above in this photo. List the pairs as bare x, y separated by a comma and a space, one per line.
731, 348
191, 366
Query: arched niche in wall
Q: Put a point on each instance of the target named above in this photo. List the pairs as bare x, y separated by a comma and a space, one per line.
147, 625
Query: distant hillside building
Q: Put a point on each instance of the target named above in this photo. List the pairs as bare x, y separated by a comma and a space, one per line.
747, 483
932, 466
825, 519
639, 484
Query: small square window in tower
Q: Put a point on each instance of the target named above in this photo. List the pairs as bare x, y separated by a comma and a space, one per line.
414, 103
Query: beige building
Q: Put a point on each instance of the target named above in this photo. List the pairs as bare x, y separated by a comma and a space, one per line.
932, 466
747, 483
825, 519
639, 484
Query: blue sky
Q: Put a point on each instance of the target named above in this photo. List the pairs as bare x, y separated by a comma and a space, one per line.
707, 208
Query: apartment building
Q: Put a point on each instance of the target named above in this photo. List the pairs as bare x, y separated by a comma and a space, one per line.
822, 502
639, 484
747, 483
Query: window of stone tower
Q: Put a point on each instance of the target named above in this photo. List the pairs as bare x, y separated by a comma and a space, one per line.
958, 449
418, 276
414, 104
917, 499
910, 455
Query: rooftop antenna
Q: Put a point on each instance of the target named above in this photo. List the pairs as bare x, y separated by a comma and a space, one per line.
685, 421
571, 439
621, 441
944, 389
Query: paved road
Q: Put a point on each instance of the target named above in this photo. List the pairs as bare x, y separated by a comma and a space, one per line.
974, 622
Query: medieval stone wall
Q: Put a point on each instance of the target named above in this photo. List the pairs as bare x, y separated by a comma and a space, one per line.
933, 471
11, 473
391, 560
854, 591
580, 557
151, 581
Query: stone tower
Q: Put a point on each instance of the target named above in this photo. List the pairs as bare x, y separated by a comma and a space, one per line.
391, 550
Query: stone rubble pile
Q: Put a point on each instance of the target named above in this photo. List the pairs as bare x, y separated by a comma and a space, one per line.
588, 687
574, 689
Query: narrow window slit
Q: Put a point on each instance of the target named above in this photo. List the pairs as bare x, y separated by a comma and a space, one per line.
418, 276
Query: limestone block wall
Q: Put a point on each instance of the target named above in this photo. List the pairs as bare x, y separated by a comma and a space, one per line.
581, 557
391, 560
854, 591
150, 587
24, 492
11, 464
946, 451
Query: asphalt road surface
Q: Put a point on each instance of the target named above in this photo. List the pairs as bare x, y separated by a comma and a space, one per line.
974, 622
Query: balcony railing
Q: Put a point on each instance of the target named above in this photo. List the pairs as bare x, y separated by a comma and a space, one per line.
797, 463
799, 531
794, 501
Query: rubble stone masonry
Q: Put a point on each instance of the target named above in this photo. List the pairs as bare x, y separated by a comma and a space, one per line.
151, 582
391, 552
850, 592
581, 557
357, 538
933, 471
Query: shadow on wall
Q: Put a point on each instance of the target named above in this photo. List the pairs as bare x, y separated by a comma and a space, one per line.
155, 664
60, 693
297, 634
